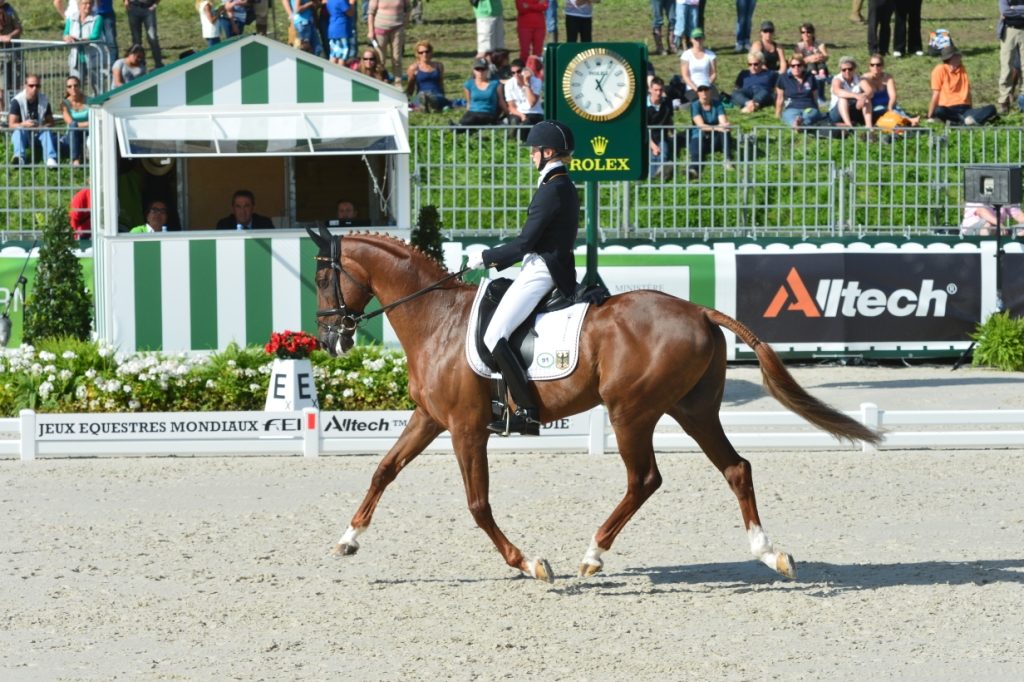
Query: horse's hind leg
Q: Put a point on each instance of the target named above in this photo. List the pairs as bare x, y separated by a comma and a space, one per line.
705, 427
634, 435
416, 436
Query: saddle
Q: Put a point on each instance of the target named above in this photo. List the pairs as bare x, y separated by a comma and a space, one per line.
523, 337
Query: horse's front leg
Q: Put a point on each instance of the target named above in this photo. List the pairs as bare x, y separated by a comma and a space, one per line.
417, 435
471, 451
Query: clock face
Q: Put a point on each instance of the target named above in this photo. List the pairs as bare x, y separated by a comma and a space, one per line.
598, 84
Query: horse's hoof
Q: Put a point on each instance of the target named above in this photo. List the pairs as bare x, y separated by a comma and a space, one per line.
785, 565
588, 569
540, 569
345, 549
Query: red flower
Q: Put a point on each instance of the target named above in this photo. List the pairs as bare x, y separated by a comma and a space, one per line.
291, 345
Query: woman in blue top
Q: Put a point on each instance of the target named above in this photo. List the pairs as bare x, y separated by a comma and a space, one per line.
710, 132
425, 79
76, 116
485, 100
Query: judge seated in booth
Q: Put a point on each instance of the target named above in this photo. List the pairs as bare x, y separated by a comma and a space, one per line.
243, 214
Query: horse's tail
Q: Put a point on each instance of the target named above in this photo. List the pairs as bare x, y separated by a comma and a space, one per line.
781, 385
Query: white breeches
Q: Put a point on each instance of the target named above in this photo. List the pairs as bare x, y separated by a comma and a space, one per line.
533, 283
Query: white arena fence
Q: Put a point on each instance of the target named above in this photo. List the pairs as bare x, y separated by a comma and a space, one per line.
312, 433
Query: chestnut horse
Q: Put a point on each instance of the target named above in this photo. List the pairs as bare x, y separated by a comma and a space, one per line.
643, 354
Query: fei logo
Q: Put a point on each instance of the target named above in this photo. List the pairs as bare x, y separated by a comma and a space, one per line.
837, 297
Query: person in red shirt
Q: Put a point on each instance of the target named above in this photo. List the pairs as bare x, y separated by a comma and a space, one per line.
79, 213
531, 26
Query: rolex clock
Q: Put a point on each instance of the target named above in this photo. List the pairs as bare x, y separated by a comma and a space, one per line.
599, 84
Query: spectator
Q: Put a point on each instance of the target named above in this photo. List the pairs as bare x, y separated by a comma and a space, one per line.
490, 27
755, 85
1010, 30
662, 141
425, 80
302, 14
883, 91
156, 219
551, 20
855, 15
744, 24
663, 13
535, 64
980, 220
66, 13
105, 8
951, 93
76, 116
142, 13
243, 214
30, 110
697, 66
385, 22
347, 211
686, 19
259, 9
79, 214
130, 67
711, 131
774, 55
579, 20
906, 38
83, 61
879, 18
209, 21
851, 96
815, 56
485, 100
342, 14
372, 64
10, 28
796, 103
233, 16
530, 26
523, 98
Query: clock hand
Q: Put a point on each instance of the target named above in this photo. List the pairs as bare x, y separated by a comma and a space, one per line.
601, 90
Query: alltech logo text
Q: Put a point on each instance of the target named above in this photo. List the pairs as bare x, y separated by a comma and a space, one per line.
859, 297
848, 298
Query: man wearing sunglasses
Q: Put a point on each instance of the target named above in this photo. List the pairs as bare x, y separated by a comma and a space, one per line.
30, 111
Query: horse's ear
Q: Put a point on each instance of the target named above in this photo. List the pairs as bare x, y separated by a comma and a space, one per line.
326, 235
315, 237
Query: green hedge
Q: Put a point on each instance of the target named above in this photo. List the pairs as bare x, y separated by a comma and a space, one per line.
73, 376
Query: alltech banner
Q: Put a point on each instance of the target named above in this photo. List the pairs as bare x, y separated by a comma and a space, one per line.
872, 300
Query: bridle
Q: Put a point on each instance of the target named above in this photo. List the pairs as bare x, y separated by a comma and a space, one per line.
345, 329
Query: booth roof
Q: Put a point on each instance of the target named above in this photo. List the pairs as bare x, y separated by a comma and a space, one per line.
249, 70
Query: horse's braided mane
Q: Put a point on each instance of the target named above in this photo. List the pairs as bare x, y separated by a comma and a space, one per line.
416, 252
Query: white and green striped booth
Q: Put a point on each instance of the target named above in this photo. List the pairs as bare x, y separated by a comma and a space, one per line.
249, 113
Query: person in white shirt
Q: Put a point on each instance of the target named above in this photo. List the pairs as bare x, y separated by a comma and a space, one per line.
523, 97
697, 67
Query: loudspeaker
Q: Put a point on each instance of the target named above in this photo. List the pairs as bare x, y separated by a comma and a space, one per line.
992, 185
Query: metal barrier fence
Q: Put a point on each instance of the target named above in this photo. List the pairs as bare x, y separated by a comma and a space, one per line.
52, 61
817, 183
782, 183
31, 191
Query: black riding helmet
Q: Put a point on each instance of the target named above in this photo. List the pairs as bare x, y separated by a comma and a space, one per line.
553, 135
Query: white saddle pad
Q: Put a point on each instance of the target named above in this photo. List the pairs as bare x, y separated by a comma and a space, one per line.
556, 348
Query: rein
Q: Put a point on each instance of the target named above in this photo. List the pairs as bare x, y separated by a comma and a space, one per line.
350, 322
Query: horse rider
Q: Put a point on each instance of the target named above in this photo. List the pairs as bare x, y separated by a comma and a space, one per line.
545, 247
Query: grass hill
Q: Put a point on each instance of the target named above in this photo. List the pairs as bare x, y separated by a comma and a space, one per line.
450, 26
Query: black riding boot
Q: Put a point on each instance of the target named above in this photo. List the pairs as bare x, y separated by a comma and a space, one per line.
525, 420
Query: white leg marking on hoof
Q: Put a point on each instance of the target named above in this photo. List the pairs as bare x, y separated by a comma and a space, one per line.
349, 538
761, 546
592, 558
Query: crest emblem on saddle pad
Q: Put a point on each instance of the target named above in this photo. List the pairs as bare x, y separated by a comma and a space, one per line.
562, 359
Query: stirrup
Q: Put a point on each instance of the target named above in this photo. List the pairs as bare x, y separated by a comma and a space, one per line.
523, 421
